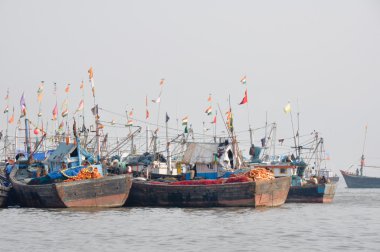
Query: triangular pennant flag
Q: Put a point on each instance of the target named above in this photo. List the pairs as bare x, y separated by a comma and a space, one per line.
243, 80
158, 100
287, 108
185, 120
208, 110
67, 89
245, 99
167, 117
55, 112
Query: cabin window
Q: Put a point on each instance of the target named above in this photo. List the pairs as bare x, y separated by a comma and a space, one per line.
283, 171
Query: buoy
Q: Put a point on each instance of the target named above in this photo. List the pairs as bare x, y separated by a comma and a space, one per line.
36, 131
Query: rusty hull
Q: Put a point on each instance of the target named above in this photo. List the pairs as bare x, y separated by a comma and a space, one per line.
248, 194
109, 191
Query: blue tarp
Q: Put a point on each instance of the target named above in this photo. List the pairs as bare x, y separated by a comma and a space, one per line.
68, 172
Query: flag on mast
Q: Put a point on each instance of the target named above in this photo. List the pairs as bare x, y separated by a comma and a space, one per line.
23, 105
209, 110
81, 106
146, 107
55, 112
245, 99
11, 120
91, 77
287, 108
185, 120
40, 92
158, 100
81, 85
6, 109
167, 118
67, 89
243, 80
209, 99
162, 81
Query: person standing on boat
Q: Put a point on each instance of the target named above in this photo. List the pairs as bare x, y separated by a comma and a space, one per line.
357, 171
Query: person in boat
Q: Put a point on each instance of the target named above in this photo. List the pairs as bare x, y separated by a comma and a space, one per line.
63, 166
323, 180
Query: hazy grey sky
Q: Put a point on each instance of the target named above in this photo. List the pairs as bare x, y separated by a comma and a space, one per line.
323, 54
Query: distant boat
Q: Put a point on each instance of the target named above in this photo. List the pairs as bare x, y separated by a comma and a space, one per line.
360, 181
357, 179
266, 193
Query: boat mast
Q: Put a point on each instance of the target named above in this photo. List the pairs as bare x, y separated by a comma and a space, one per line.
362, 157
6, 131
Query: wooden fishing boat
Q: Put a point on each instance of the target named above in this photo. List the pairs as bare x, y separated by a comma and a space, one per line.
268, 193
107, 191
4, 190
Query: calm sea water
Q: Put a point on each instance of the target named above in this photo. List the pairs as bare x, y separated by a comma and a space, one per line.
350, 223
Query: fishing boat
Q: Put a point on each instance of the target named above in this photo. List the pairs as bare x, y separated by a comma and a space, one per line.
354, 180
358, 179
268, 193
4, 190
67, 163
308, 184
107, 191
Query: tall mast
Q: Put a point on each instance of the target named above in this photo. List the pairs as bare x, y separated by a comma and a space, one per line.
362, 157
6, 131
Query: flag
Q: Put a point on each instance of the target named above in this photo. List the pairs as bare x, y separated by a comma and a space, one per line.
208, 110
245, 99
55, 112
91, 77
61, 125
209, 99
146, 108
157, 100
131, 113
162, 81
90, 73
167, 117
40, 92
12, 119
113, 122
281, 141
95, 110
81, 106
67, 89
129, 122
39, 114
7, 97
185, 120
287, 108
65, 112
186, 130
243, 80
6, 109
214, 120
81, 85
23, 105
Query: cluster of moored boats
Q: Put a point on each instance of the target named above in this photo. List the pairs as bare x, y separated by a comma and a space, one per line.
69, 176
207, 173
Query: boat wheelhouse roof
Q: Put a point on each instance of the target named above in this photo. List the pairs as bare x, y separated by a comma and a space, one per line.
200, 152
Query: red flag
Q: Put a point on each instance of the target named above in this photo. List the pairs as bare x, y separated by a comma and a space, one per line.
147, 114
245, 99
214, 121
67, 89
